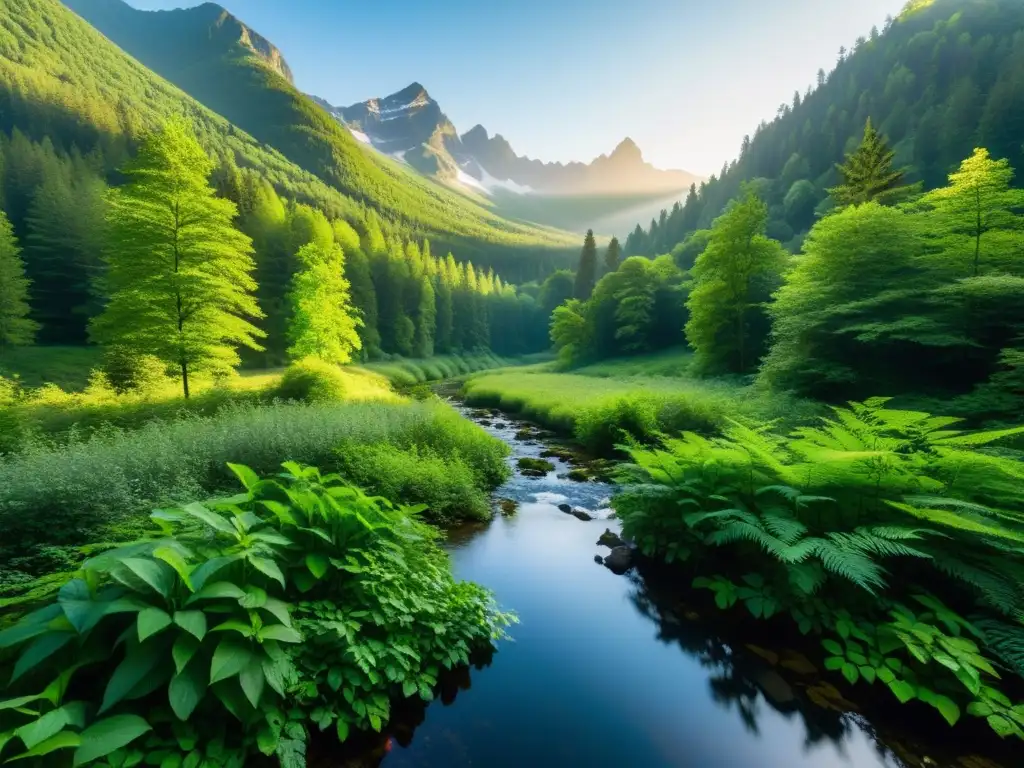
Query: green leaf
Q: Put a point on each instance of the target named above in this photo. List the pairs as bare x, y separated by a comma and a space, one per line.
375, 722
193, 622
187, 689
62, 740
230, 658
138, 662
155, 573
868, 673
41, 649
832, 647
107, 735
219, 589
279, 610
151, 621
268, 567
317, 565
279, 632
185, 647
204, 571
252, 681
175, 559
408, 688
903, 690
51, 724
212, 519
246, 476
342, 727
947, 708
850, 672
254, 597
832, 663
335, 677
979, 709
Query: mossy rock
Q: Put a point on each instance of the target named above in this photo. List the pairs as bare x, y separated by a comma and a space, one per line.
533, 473
579, 475
525, 434
508, 506
540, 465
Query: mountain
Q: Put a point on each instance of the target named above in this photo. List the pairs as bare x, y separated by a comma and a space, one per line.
942, 78
410, 125
235, 72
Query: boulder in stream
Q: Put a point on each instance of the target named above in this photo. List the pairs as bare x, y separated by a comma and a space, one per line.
619, 560
565, 508
581, 514
540, 465
598, 559
579, 475
610, 539
508, 506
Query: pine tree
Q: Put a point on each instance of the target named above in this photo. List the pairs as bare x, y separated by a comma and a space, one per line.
443, 301
16, 329
179, 274
426, 320
586, 273
613, 255
323, 323
868, 174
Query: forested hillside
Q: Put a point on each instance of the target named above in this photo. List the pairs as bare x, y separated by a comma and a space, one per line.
939, 80
73, 109
211, 56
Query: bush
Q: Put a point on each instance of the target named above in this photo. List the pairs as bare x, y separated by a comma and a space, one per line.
624, 419
238, 614
312, 381
418, 475
73, 493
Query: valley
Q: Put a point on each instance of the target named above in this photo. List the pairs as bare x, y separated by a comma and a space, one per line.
339, 435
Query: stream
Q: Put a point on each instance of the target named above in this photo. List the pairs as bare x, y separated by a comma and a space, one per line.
601, 671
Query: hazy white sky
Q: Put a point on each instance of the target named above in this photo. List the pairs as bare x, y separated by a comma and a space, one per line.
568, 79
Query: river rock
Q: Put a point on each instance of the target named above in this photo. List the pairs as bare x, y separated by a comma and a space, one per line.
774, 688
610, 539
598, 559
485, 422
533, 473
581, 514
579, 475
508, 506
619, 560
565, 508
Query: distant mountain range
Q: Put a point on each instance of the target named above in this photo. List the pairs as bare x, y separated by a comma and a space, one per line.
410, 126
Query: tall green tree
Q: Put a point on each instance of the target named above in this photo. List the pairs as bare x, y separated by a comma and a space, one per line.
179, 275
976, 216
571, 331
556, 290
732, 279
868, 173
323, 323
16, 328
444, 307
612, 256
586, 272
426, 319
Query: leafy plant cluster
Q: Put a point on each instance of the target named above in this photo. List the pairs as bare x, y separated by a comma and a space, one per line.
246, 624
896, 538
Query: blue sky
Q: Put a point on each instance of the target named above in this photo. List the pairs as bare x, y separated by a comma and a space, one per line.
568, 79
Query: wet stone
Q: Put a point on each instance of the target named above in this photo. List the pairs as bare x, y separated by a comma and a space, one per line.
619, 560
581, 514
610, 539
565, 508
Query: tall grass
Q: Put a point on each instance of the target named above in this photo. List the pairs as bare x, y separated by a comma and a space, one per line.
407, 373
78, 492
67, 367
599, 403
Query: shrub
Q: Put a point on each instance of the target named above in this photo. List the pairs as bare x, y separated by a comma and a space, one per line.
623, 419
203, 618
878, 529
446, 485
312, 381
73, 493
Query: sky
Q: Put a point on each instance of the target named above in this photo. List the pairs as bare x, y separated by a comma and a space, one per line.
569, 79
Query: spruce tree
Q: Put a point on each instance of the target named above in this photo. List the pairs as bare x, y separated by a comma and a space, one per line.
179, 274
16, 329
586, 273
612, 256
323, 323
868, 174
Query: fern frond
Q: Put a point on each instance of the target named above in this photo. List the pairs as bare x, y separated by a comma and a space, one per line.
786, 529
949, 519
1006, 641
806, 577
851, 565
993, 589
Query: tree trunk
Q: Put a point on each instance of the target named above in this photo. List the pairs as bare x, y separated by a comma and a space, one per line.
184, 378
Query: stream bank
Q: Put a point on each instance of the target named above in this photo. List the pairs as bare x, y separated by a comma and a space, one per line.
631, 670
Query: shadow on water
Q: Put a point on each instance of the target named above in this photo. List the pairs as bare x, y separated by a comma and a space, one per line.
605, 670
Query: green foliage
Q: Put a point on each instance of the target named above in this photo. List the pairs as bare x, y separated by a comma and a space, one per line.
859, 511
177, 271
64, 496
312, 380
586, 271
195, 628
732, 279
868, 174
323, 324
16, 328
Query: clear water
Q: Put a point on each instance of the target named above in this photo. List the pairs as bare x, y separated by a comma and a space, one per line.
596, 675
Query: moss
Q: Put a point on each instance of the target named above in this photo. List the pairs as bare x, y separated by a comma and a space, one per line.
538, 465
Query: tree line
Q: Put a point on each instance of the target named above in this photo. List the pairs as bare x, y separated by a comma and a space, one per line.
192, 261
895, 291
939, 80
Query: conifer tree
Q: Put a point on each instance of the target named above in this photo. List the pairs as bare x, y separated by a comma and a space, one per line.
979, 206
443, 301
426, 320
586, 273
868, 173
179, 274
323, 322
612, 256
16, 328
